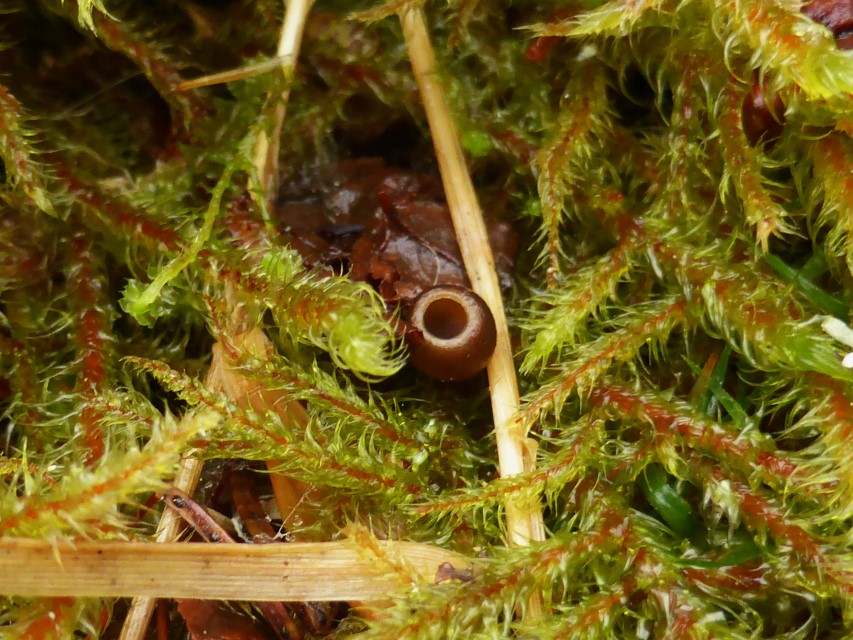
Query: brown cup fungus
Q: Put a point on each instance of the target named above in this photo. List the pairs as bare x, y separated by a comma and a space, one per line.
454, 333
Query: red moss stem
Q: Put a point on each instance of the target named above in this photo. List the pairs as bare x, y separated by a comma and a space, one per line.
158, 67
121, 221
672, 312
91, 334
669, 419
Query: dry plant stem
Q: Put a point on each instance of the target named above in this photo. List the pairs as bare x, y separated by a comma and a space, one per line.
232, 75
222, 377
524, 521
267, 149
138, 616
296, 572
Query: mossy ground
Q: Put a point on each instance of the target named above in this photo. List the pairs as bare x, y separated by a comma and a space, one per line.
672, 306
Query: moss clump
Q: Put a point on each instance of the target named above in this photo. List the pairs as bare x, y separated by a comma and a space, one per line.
674, 300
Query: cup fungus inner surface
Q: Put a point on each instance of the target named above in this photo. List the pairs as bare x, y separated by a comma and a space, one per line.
445, 318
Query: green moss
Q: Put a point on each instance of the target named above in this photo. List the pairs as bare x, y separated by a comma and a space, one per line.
692, 414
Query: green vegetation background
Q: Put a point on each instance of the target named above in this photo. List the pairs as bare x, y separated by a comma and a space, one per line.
680, 306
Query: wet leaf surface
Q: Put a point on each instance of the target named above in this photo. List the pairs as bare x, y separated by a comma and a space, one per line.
389, 226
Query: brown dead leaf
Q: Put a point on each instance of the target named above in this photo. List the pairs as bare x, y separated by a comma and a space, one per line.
390, 227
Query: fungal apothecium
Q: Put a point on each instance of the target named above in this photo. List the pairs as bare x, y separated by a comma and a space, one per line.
391, 228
